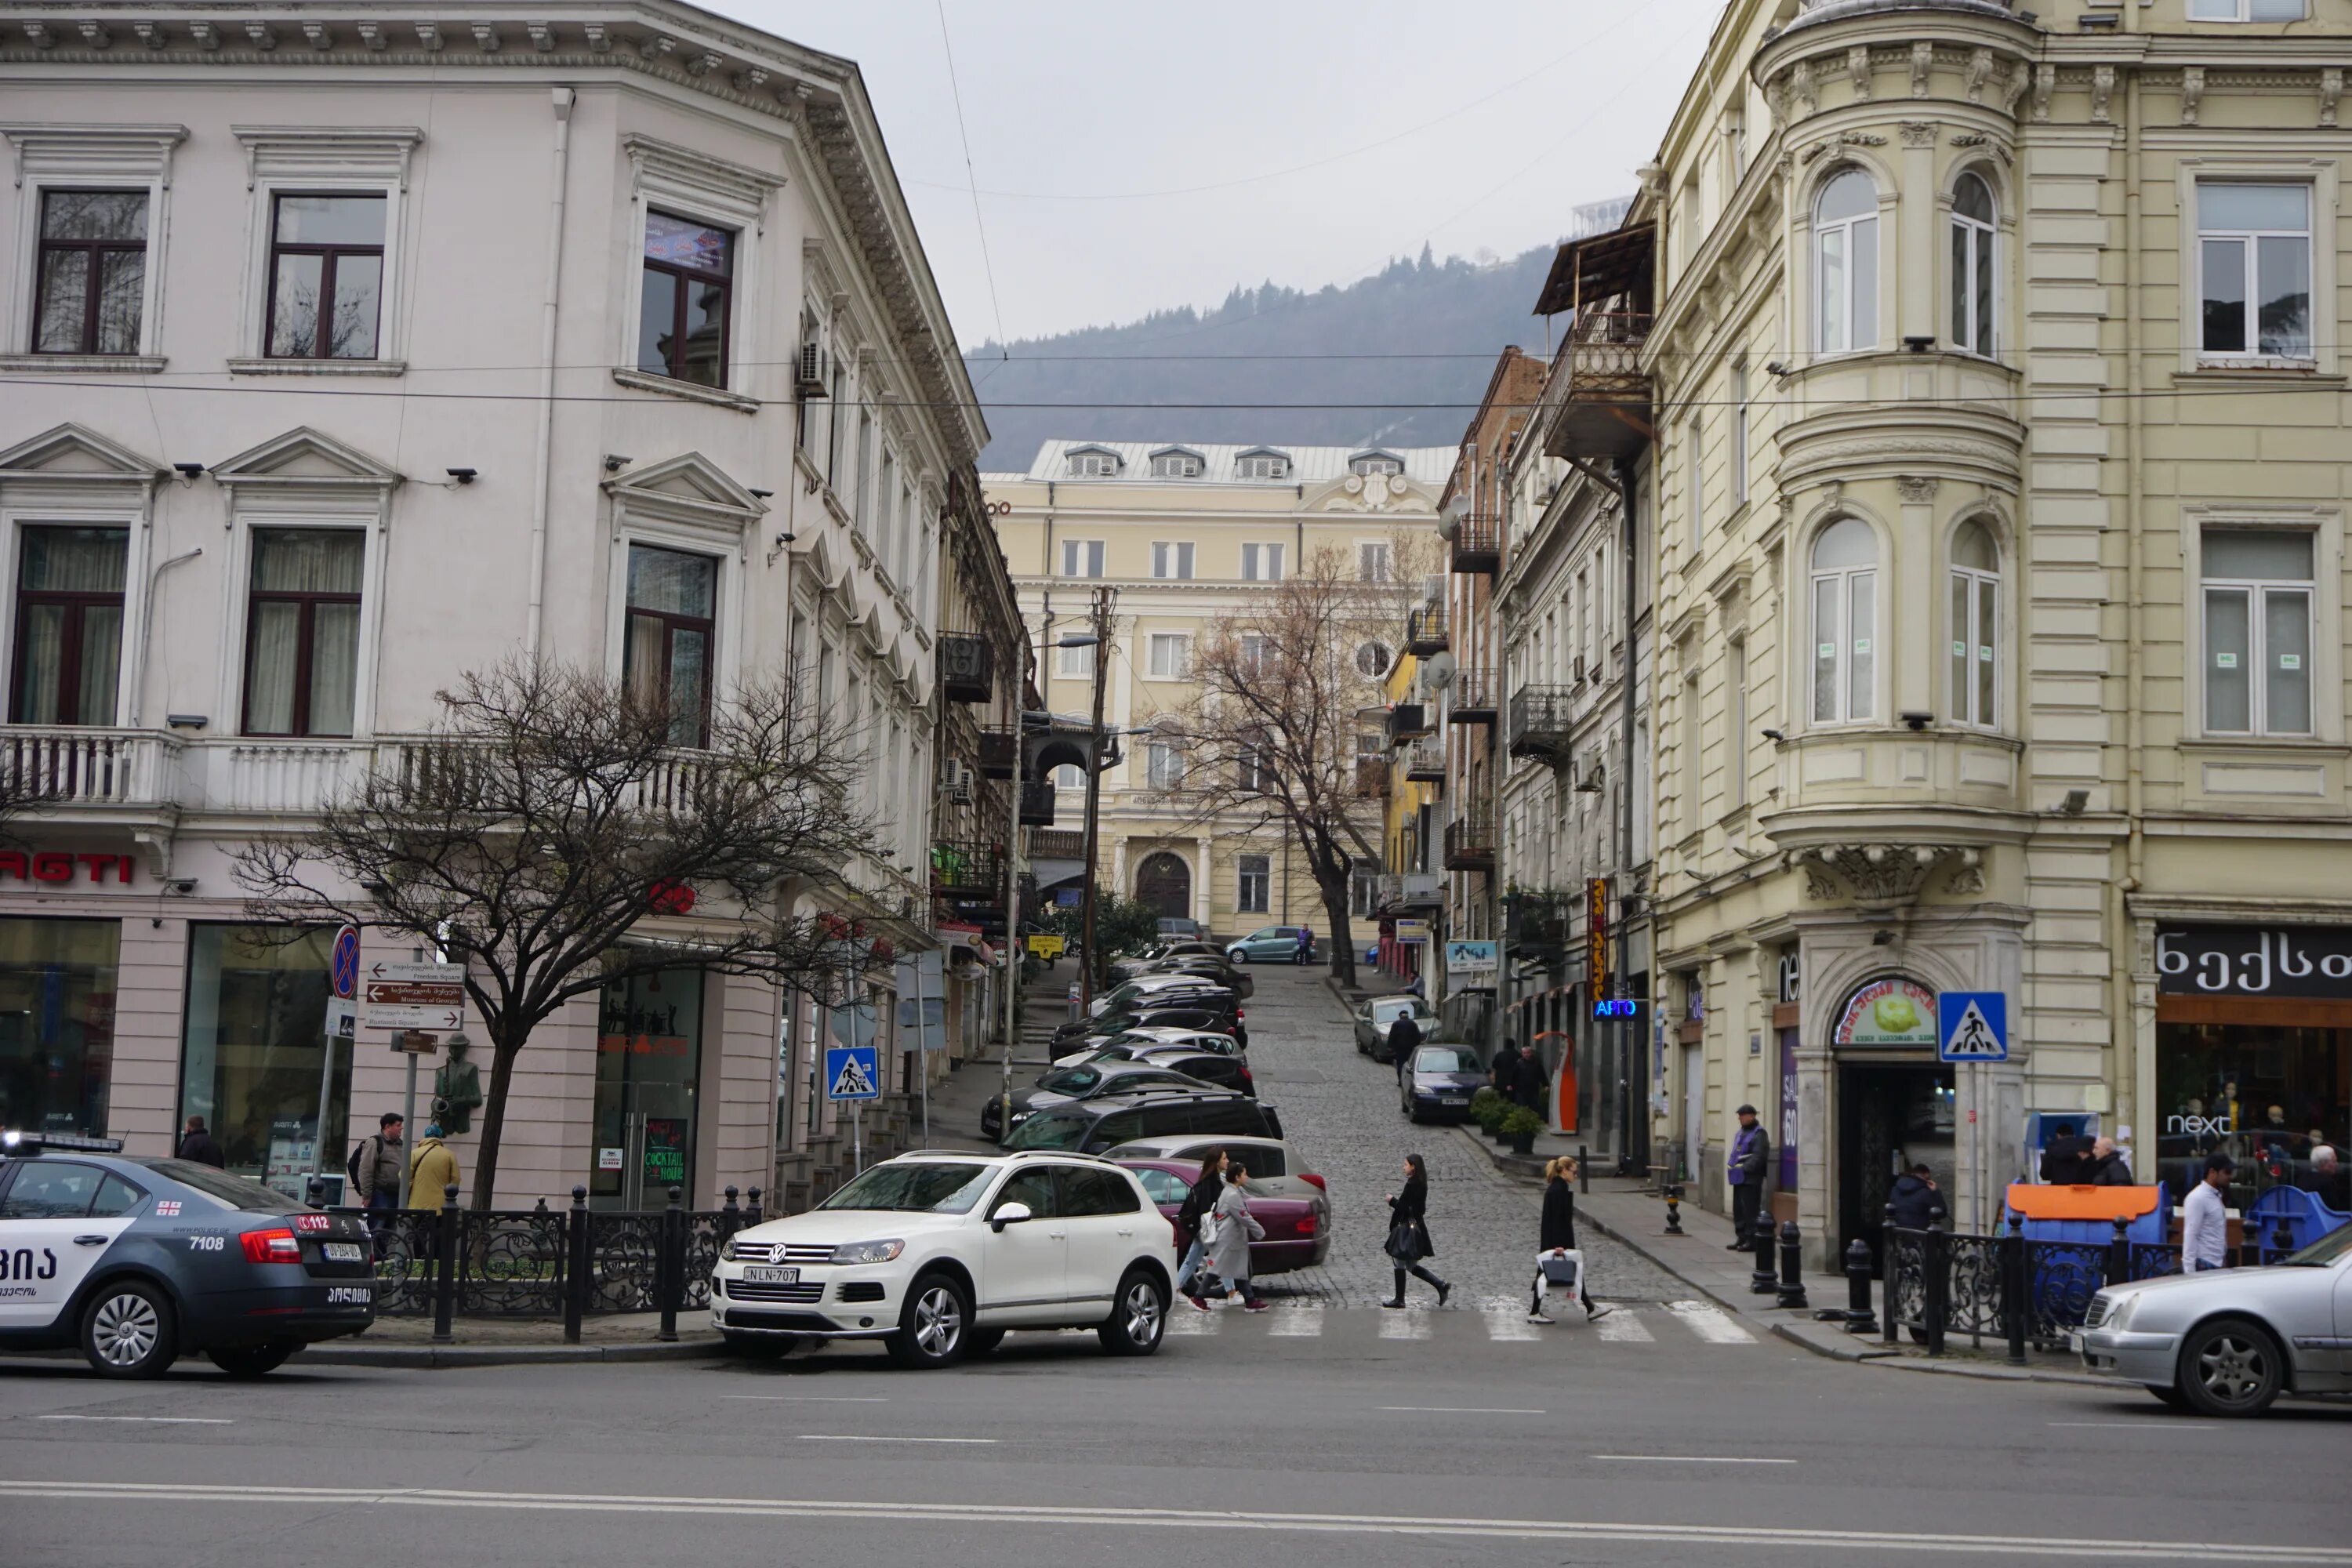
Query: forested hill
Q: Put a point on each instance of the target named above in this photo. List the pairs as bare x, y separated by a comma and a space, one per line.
1462, 311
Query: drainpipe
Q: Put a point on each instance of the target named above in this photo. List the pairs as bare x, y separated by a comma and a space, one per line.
1631, 515
561, 100
2136, 547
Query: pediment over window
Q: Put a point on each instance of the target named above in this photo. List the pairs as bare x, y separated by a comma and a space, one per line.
826, 563
302, 457
71, 452
690, 487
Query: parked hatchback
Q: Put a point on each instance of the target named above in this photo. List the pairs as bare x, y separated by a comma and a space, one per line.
1095, 1125
1439, 1083
1375, 1017
1273, 944
1275, 1167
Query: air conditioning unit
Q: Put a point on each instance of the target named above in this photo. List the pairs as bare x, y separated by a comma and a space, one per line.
960, 792
815, 369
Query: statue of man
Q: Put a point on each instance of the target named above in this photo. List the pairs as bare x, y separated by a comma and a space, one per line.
456, 1088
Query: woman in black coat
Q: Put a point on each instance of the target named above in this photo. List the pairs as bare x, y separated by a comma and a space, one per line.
1409, 1240
1559, 1235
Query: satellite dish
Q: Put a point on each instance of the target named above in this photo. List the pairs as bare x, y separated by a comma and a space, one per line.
1438, 670
1449, 522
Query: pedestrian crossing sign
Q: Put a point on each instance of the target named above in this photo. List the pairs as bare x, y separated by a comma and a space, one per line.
1972, 1026
850, 1073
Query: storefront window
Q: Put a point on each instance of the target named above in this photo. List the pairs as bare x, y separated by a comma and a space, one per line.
56, 1022
2265, 1095
648, 1066
255, 1046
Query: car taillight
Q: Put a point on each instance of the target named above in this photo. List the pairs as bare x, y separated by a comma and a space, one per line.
1311, 1176
271, 1246
1307, 1225
1239, 1014
1247, 1075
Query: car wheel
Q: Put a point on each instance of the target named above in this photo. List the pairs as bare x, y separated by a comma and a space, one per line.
1138, 1315
2168, 1395
252, 1361
1238, 956
759, 1347
127, 1331
2230, 1366
934, 1324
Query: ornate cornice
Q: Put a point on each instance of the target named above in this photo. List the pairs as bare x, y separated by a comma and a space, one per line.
1884, 875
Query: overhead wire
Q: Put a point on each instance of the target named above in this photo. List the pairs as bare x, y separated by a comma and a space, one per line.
956, 92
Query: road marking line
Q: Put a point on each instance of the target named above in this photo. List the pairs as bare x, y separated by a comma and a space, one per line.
1191, 1320
1511, 1323
882, 1438
156, 1420
1622, 1326
1464, 1409
1737, 1539
814, 1398
1302, 1321
1407, 1323
2140, 1425
1689, 1459
1710, 1323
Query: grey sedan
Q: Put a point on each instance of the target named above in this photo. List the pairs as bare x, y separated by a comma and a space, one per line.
1374, 1018
2228, 1341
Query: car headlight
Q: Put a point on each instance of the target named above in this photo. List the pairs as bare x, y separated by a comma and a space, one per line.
727, 1250
2120, 1311
868, 1251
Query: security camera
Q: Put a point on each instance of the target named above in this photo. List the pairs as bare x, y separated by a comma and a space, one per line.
615, 462
184, 886
463, 475
1917, 721
1772, 735
1774, 367
785, 538
190, 471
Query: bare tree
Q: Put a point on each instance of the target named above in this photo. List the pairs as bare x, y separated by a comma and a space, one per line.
1283, 689
549, 814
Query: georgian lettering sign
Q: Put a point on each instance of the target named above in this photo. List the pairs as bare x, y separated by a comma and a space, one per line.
2254, 961
1890, 1012
55, 866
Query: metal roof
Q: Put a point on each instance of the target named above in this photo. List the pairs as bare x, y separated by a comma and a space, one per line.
1308, 464
1598, 267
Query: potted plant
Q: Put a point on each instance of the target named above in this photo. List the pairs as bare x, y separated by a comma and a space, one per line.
1519, 1129
1487, 1109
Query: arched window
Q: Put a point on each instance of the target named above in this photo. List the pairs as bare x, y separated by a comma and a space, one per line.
1845, 621
1972, 265
1845, 263
1976, 628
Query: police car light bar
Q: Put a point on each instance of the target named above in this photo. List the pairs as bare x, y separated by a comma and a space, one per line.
13, 1142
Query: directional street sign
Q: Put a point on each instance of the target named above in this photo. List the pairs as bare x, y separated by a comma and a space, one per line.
1972, 1026
412, 997
850, 1073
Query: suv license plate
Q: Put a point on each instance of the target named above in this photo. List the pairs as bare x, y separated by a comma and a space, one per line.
759, 1276
341, 1251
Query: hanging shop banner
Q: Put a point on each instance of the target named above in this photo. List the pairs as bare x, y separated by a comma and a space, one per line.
1890, 1012
1411, 930
1596, 939
2252, 961
1472, 962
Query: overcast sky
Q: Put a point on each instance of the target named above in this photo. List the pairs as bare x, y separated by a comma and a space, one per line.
1137, 156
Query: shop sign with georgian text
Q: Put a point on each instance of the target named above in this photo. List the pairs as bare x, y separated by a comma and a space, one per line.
2254, 961
1890, 1012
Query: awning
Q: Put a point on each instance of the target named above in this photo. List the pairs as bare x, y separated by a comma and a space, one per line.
1592, 270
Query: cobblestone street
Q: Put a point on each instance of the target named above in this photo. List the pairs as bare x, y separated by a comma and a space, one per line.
1339, 1110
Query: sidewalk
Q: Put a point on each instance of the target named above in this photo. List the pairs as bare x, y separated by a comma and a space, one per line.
1702, 1258
500, 1341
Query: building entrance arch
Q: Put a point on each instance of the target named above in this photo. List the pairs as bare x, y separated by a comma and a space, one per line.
1164, 883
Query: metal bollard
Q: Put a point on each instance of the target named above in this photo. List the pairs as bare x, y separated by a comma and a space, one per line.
2119, 1254
1858, 1319
2282, 1239
669, 1268
1765, 1279
1584, 1173
1887, 1270
1936, 1289
316, 1189
445, 1278
1674, 1211
752, 1215
576, 1266
1792, 1284
2015, 1308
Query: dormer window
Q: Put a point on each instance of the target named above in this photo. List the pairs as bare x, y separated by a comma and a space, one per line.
1370, 463
1262, 463
1176, 463
1093, 463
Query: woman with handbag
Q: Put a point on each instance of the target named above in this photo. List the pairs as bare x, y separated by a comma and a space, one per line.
1197, 1204
1409, 1241
1558, 1239
1227, 1232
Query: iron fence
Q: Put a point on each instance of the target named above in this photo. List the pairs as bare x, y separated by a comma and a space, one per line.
2005, 1287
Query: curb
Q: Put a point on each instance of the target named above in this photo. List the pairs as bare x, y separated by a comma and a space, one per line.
441, 1357
1529, 1167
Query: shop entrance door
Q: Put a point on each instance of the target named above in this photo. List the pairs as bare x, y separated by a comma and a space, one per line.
648, 1058
1694, 1110
1889, 1115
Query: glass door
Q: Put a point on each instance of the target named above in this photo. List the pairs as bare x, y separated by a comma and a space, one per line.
649, 1061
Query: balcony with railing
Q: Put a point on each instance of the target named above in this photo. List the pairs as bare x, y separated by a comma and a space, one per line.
1057, 844
1476, 545
1596, 403
1424, 761
1539, 919
1540, 723
1371, 778
999, 751
1407, 719
967, 667
1424, 631
1037, 803
1470, 842
68, 769
1473, 697
967, 871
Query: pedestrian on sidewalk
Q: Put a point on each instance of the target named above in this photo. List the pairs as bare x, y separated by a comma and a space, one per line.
374, 1174
1745, 1170
1233, 1228
1404, 1038
432, 1169
1558, 1239
1197, 1203
2108, 1166
1915, 1200
1409, 1241
1504, 1074
2205, 1218
199, 1147
1529, 1080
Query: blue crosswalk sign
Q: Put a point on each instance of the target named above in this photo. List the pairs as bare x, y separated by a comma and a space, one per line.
851, 1073
1972, 1026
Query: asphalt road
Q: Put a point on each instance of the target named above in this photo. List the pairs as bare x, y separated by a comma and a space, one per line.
1325, 1432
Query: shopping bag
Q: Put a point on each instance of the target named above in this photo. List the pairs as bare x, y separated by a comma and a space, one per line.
1563, 1276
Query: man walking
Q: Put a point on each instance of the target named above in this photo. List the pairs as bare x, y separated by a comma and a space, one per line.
1530, 1080
1504, 1074
1744, 1170
2205, 1218
1404, 1038
201, 1148
375, 1171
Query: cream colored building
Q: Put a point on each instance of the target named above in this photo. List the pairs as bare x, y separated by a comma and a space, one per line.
1186, 534
1992, 364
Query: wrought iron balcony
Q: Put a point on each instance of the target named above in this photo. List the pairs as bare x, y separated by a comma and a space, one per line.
1057, 844
1596, 403
967, 869
1424, 631
1476, 545
1371, 777
1424, 763
1539, 919
1470, 842
998, 752
1472, 699
967, 667
1539, 723
1037, 803
1407, 719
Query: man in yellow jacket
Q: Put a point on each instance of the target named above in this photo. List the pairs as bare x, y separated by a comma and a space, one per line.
432, 1171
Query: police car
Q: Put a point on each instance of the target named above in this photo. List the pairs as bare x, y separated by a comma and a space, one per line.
139, 1261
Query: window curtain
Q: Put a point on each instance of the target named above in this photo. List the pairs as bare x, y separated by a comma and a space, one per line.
304, 561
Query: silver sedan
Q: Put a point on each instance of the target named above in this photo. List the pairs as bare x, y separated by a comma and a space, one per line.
2228, 1341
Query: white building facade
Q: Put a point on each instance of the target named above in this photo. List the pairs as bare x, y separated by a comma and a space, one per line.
346, 353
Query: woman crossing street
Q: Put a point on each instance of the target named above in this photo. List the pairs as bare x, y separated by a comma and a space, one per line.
1557, 1239
1409, 1241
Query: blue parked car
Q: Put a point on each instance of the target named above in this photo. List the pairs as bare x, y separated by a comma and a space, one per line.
1274, 944
1441, 1083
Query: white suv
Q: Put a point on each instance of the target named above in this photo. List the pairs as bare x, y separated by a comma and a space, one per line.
938, 1254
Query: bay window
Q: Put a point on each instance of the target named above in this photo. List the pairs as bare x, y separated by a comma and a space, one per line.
1844, 583
666, 658
1975, 628
302, 631
68, 625
2258, 586
1973, 234
1845, 264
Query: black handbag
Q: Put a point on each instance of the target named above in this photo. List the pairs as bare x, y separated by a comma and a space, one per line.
1407, 1243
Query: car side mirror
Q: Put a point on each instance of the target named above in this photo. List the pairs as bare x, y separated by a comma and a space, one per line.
1010, 1213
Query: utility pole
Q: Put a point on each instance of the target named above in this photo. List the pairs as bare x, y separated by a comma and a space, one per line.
1101, 624
1012, 895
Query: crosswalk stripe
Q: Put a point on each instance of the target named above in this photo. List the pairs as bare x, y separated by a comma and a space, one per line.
1407, 1323
1189, 1319
1622, 1327
1300, 1321
1710, 1323
1511, 1323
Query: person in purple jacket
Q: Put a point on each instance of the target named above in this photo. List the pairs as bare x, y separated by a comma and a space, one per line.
1744, 1170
